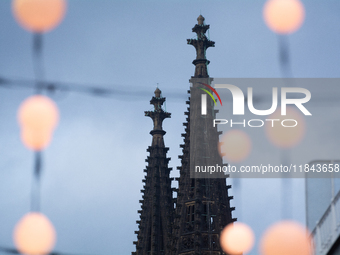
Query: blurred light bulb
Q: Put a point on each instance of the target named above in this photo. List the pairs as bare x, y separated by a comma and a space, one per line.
286, 237
237, 238
38, 117
235, 145
39, 15
34, 234
284, 16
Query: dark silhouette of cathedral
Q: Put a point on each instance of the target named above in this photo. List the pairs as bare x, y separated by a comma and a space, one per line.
190, 223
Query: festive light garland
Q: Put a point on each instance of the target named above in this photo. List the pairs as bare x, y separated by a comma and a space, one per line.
38, 117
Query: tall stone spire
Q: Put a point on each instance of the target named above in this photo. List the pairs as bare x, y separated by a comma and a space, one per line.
203, 205
156, 216
201, 44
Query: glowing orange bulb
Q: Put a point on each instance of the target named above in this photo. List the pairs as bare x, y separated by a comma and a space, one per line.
284, 16
34, 234
286, 137
237, 238
235, 145
39, 15
38, 116
286, 237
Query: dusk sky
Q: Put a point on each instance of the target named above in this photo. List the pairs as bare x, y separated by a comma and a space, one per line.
93, 169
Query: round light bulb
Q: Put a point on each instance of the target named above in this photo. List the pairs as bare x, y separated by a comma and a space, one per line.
39, 15
237, 238
284, 16
235, 145
38, 117
34, 234
286, 237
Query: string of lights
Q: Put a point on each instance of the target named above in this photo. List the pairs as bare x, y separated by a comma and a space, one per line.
39, 115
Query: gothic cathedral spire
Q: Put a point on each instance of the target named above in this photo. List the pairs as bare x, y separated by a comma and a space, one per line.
203, 205
153, 236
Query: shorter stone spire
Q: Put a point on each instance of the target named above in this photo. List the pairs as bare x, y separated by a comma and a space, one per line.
157, 209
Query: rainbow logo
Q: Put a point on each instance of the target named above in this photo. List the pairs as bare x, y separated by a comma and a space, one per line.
213, 90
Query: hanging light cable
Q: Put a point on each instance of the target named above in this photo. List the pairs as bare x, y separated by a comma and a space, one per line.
34, 234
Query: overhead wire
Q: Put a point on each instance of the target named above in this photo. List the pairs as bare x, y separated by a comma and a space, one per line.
15, 251
90, 90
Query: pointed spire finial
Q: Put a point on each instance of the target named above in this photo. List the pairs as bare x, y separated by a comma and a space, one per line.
200, 20
158, 92
201, 44
157, 115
